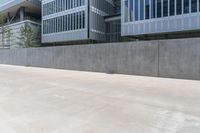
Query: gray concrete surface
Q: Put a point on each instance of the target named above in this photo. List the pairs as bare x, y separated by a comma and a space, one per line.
179, 58
37, 100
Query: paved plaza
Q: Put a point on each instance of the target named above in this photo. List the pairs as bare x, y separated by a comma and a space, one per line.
38, 100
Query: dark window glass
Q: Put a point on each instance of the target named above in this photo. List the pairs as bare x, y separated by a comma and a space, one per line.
126, 11
186, 6
83, 19
80, 20
153, 9
165, 8
199, 5
66, 4
59, 24
44, 10
136, 10
53, 25
72, 4
147, 9
72, 21
158, 8
56, 6
178, 7
68, 22
193, 5
172, 7
131, 10
141, 9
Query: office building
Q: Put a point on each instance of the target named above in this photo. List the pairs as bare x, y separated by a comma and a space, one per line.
15, 14
149, 18
75, 20
118, 20
89, 21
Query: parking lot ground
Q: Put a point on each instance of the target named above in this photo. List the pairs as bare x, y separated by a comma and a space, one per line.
41, 100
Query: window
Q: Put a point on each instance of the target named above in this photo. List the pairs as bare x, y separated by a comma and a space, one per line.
186, 6
54, 8
193, 5
147, 7
126, 11
44, 10
159, 12
165, 8
83, 2
83, 20
178, 7
172, 7
136, 10
75, 23
61, 5
131, 10
153, 9
141, 9
199, 5
69, 21
54, 24
68, 4
72, 21
72, 4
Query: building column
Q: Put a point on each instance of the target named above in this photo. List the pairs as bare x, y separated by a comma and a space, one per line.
22, 13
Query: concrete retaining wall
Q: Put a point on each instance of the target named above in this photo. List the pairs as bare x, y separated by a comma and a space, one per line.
167, 58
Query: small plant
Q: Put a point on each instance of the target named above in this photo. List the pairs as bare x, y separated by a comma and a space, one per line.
2, 30
8, 36
5, 32
28, 37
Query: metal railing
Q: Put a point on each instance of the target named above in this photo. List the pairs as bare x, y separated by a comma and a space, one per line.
26, 18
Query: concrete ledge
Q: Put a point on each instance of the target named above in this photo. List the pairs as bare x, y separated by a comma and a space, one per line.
167, 58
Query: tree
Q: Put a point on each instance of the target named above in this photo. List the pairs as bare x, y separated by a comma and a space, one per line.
6, 32
8, 36
3, 30
28, 37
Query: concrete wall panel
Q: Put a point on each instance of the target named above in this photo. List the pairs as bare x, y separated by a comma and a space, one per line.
167, 58
180, 59
58, 57
40, 57
18, 57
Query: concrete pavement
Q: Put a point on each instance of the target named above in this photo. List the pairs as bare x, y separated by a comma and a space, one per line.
37, 100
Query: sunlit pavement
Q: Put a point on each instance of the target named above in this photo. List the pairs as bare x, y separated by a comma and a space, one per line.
38, 100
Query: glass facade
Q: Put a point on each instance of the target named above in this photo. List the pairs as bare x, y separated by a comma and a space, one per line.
178, 7
165, 8
113, 31
150, 9
61, 5
172, 7
74, 21
153, 9
136, 10
147, 7
141, 9
68, 22
186, 6
193, 5
159, 5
